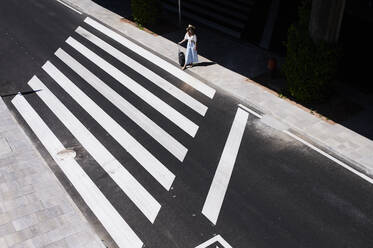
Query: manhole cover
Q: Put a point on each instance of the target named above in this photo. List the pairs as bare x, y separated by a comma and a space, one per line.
66, 154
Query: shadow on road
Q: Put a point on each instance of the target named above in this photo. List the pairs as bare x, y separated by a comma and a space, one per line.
349, 105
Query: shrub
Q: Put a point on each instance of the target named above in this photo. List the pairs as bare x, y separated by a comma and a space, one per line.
145, 12
310, 67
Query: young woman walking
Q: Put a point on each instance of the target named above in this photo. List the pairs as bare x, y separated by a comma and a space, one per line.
191, 56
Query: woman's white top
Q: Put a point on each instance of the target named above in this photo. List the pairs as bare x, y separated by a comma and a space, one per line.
192, 40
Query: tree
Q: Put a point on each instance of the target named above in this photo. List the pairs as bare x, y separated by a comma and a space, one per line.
310, 66
145, 12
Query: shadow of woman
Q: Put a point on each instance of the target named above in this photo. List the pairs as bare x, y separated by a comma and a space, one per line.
204, 64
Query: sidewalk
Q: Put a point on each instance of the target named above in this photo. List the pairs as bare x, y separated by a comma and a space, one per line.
345, 143
35, 210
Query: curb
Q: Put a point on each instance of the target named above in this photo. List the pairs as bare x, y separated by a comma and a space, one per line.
349, 146
35, 198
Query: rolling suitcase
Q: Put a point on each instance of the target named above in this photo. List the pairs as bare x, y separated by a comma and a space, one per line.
181, 56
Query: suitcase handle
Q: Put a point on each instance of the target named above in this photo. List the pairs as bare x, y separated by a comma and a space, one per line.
179, 47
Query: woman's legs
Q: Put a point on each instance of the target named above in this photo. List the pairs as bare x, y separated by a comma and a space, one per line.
185, 66
188, 58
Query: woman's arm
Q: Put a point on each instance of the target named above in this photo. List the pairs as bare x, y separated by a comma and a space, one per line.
185, 39
181, 42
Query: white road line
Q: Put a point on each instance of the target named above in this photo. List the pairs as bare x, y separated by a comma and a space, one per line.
169, 112
145, 72
130, 186
114, 224
131, 145
65, 4
215, 197
160, 135
218, 239
250, 111
177, 72
365, 177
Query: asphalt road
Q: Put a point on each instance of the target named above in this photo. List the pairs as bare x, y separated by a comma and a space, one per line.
281, 192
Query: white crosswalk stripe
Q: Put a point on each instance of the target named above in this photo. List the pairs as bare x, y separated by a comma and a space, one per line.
130, 144
114, 224
67, 78
219, 185
195, 83
169, 112
166, 140
148, 74
134, 190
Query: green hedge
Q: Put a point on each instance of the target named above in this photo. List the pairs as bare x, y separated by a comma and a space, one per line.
145, 12
309, 67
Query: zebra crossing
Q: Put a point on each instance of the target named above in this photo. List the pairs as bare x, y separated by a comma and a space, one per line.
114, 223
119, 230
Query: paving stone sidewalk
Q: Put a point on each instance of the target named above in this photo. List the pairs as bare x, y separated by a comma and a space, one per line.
347, 144
35, 210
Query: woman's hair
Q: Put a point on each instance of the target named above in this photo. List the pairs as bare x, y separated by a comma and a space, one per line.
191, 28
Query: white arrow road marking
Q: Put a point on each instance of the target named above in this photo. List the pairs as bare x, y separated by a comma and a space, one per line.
114, 224
216, 194
130, 186
218, 239
177, 72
